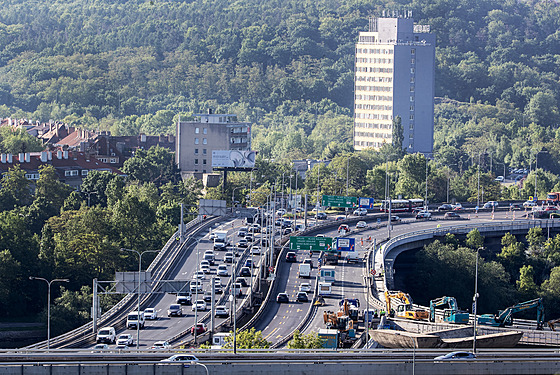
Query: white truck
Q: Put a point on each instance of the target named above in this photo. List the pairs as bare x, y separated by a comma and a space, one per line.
304, 270
352, 257
133, 319
220, 239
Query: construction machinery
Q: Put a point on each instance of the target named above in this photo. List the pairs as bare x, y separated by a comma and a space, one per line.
504, 317
350, 307
342, 323
405, 309
553, 322
450, 315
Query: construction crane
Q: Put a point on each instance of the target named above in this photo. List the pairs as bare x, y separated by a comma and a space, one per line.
450, 315
504, 317
404, 310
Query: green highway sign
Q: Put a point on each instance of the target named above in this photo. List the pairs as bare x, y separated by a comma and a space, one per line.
337, 201
311, 243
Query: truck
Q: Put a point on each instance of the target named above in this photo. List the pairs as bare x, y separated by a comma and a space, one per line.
553, 198
352, 257
325, 289
450, 315
327, 274
406, 309
304, 270
504, 317
331, 256
220, 240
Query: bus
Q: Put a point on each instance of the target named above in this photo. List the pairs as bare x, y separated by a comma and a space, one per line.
402, 205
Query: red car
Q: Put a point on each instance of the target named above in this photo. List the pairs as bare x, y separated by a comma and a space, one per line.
200, 329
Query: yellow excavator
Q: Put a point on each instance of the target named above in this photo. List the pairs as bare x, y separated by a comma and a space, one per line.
405, 310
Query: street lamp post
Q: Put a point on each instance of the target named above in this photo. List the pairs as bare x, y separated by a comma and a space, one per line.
138, 292
49, 283
536, 167
475, 299
233, 196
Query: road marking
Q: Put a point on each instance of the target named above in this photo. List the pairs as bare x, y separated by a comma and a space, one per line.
274, 330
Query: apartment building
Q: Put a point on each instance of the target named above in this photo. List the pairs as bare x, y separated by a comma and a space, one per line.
394, 76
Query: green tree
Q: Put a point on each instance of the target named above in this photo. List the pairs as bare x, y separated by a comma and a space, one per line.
526, 283
309, 341
398, 134
535, 240
51, 189
248, 339
18, 140
16, 189
474, 240
156, 165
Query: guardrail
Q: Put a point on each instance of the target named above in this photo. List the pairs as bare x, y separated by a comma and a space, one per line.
164, 258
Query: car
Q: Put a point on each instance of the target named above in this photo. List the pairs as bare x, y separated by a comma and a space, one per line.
302, 297
242, 282
183, 298
99, 348
395, 219
451, 215
320, 235
222, 270
181, 358
423, 215
445, 207
236, 289
218, 289
212, 236
106, 335
490, 205
205, 263
515, 206
242, 243
255, 250
241, 233
121, 347
360, 212
161, 345
199, 305
249, 263
343, 227
199, 275
229, 257
207, 297
457, 206
125, 339
150, 313
458, 355
291, 257
529, 204
249, 238
222, 312
280, 212
282, 298
321, 216
499, 179
200, 329
245, 271
287, 231
361, 224
195, 285
339, 218
308, 261
174, 310
305, 287
217, 281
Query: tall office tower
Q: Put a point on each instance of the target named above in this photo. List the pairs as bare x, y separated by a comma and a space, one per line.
394, 76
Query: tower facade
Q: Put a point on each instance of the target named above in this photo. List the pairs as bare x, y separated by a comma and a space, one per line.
394, 76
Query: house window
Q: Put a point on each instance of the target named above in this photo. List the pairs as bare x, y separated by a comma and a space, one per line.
203, 151
204, 161
196, 130
196, 151
204, 141
196, 141
113, 160
205, 131
413, 51
412, 70
32, 176
71, 173
195, 161
84, 172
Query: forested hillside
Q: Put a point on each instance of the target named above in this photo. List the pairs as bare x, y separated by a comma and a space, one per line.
287, 66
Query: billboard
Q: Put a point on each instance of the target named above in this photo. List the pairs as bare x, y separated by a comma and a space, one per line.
233, 159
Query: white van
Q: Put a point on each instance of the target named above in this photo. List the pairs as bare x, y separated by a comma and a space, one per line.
106, 334
304, 270
325, 289
132, 320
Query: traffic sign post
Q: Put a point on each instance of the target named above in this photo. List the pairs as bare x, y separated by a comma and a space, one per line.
338, 201
366, 203
346, 244
310, 243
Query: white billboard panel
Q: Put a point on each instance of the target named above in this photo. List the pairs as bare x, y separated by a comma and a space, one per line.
233, 159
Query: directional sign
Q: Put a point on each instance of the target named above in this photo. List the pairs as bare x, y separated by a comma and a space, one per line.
310, 243
337, 201
346, 244
366, 203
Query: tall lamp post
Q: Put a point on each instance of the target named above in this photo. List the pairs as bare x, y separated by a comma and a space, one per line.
475, 298
49, 283
536, 166
138, 292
